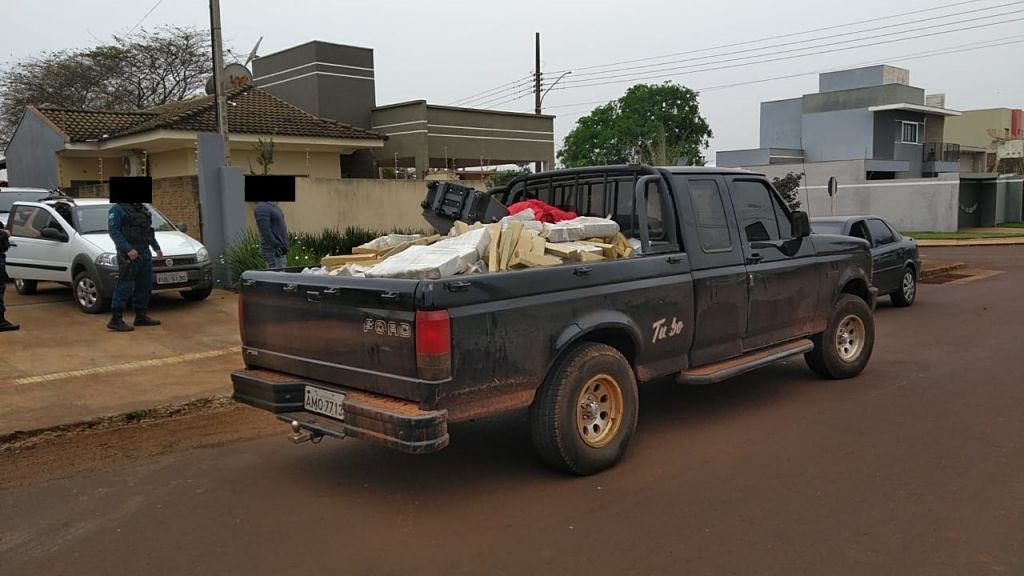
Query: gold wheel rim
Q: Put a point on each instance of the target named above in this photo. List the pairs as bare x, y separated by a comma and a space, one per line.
850, 337
599, 411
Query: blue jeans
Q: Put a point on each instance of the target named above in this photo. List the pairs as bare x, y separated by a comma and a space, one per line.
134, 283
275, 261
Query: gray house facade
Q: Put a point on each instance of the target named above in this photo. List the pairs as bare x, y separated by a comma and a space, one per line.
870, 116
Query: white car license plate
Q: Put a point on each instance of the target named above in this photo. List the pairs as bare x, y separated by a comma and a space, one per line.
325, 402
171, 277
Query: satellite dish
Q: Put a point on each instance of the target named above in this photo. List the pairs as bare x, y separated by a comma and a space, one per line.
995, 133
252, 54
235, 76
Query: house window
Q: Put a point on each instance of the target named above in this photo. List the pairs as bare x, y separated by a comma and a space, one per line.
910, 133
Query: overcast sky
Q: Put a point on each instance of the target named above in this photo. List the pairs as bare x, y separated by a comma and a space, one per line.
444, 50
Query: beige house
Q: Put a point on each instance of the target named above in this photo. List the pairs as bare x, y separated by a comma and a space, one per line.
71, 148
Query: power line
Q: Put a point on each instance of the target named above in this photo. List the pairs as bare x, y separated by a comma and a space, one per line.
775, 37
993, 43
832, 36
661, 74
143, 19
478, 95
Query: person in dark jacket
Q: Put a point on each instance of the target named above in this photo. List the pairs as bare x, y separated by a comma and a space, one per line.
131, 228
5, 243
273, 234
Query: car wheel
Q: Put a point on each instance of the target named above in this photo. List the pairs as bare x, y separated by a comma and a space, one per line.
25, 287
844, 348
196, 295
907, 291
87, 294
584, 414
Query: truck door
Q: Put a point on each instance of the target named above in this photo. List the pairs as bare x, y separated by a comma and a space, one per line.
719, 275
41, 249
782, 280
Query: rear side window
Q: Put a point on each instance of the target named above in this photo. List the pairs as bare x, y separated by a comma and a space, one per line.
8, 198
880, 232
712, 225
29, 222
755, 210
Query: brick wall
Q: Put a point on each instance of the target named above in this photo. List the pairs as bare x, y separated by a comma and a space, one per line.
176, 197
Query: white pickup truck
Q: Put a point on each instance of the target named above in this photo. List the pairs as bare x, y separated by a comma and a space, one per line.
66, 240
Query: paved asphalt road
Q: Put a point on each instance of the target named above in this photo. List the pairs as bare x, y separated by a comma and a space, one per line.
914, 468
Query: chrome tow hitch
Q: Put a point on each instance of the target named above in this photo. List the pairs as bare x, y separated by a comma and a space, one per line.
299, 436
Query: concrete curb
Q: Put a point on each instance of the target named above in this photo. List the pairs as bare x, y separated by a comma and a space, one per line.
1015, 241
940, 268
23, 439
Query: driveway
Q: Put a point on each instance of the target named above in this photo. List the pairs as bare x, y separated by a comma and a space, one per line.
65, 366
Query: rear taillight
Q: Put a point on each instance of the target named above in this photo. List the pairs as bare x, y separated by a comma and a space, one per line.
433, 345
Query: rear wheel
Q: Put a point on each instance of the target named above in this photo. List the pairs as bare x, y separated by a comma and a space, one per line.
196, 295
25, 287
907, 291
844, 348
584, 414
87, 294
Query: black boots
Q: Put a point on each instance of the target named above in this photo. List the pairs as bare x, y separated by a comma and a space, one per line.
143, 319
6, 326
117, 323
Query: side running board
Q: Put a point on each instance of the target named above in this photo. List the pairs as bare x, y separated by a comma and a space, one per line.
726, 369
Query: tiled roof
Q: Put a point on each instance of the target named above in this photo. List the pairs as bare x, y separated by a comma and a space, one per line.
250, 111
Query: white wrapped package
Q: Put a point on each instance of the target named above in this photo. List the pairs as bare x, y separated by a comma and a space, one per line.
477, 239
582, 247
422, 262
445, 258
531, 225
563, 232
350, 270
596, 227
317, 270
524, 215
385, 243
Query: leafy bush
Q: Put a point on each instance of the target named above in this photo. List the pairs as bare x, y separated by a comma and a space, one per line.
304, 249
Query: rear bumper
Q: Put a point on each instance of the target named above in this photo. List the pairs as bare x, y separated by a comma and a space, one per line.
398, 424
199, 278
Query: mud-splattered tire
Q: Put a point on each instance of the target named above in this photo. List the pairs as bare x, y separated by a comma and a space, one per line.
584, 414
844, 348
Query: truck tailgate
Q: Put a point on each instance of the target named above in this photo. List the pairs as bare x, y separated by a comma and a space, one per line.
354, 332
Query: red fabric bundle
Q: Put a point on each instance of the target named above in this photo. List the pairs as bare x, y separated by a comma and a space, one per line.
542, 210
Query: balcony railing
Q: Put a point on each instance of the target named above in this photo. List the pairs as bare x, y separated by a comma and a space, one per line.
941, 152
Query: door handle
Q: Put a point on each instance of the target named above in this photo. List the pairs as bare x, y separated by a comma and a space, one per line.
676, 258
582, 270
754, 258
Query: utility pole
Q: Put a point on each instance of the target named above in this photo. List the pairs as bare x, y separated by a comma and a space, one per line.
536, 90
218, 78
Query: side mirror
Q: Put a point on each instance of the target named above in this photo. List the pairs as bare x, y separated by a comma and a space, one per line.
55, 234
182, 226
801, 224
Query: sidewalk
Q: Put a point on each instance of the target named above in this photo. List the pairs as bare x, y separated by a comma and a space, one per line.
1011, 241
64, 367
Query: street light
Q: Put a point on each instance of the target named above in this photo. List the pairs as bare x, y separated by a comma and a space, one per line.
545, 93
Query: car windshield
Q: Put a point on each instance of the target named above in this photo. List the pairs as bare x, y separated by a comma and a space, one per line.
93, 219
828, 227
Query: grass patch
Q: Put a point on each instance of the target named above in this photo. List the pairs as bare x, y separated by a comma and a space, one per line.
1010, 225
962, 235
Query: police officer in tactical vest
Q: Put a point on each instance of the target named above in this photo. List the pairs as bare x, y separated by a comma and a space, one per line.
5, 324
131, 228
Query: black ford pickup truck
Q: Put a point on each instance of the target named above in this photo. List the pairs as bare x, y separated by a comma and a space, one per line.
727, 280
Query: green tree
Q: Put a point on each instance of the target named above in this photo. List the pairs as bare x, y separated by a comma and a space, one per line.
145, 69
264, 155
502, 177
788, 186
651, 123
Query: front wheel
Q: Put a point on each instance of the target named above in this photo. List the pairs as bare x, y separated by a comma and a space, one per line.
907, 292
584, 414
196, 295
87, 294
844, 348
25, 287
